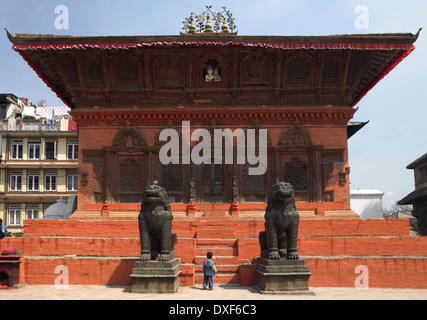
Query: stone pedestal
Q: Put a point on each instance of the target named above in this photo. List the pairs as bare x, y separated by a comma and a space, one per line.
156, 276
282, 276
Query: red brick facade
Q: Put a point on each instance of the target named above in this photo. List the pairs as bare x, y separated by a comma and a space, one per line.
104, 252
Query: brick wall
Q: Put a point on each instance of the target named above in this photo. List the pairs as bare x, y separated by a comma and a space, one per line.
104, 252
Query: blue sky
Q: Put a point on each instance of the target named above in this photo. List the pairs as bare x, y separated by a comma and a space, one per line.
396, 108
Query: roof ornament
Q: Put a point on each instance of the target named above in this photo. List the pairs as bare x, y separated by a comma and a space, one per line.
222, 23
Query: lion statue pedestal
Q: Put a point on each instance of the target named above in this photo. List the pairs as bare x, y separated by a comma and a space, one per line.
158, 270
279, 269
156, 276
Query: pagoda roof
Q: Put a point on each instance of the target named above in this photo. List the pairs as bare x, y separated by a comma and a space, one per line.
42, 54
418, 162
384, 41
416, 194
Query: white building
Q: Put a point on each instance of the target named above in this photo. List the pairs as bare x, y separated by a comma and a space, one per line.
367, 203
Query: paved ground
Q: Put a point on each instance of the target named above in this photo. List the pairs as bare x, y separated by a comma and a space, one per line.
220, 292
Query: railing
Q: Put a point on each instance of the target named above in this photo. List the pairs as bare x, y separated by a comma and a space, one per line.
34, 125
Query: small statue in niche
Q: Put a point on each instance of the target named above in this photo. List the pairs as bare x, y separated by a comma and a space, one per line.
216, 75
213, 72
129, 142
209, 75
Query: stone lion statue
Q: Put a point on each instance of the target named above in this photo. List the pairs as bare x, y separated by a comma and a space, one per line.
155, 225
279, 240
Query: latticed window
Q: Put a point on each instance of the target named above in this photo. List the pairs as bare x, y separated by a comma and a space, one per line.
330, 73
127, 70
130, 177
172, 178
253, 183
94, 71
68, 65
298, 70
296, 174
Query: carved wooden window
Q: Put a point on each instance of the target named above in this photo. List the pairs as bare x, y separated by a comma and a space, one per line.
296, 174
130, 177
358, 60
330, 73
68, 65
298, 70
94, 71
172, 177
253, 183
127, 70
256, 69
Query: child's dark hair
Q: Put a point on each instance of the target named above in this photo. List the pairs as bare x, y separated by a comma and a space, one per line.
209, 255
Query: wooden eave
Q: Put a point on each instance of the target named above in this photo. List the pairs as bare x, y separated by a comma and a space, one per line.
382, 52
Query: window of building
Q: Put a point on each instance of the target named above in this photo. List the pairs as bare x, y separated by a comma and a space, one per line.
253, 183
14, 215
171, 177
33, 150
50, 149
299, 70
72, 150
15, 181
130, 177
17, 149
71, 181
33, 181
296, 174
50, 181
32, 212
127, 70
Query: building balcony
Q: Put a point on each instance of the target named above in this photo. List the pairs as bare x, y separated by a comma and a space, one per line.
33, 125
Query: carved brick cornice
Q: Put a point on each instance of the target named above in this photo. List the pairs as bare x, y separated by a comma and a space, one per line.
188, 99
230, 117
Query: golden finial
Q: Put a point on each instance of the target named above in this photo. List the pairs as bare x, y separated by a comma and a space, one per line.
208, 26
225, 17
224, 27
192, 28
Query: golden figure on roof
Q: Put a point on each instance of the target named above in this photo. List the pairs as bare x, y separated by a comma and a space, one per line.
222, 23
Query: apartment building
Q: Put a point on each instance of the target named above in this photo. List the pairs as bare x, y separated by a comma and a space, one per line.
38, 165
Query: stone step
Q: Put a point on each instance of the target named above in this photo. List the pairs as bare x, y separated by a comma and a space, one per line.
219, 260
221, 269
214, 213
215, 218
215, 243
219, 279
216, 251
215, 233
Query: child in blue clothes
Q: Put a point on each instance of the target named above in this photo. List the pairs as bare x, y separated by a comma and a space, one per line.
209, 270
3, 230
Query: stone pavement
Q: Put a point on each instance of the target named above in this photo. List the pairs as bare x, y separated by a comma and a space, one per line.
220, 292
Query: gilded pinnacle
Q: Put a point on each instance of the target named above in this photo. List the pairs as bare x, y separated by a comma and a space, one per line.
210, 22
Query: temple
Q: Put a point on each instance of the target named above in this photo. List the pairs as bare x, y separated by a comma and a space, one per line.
292, 97
123, 91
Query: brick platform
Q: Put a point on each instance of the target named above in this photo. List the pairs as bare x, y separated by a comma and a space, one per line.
105, 251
